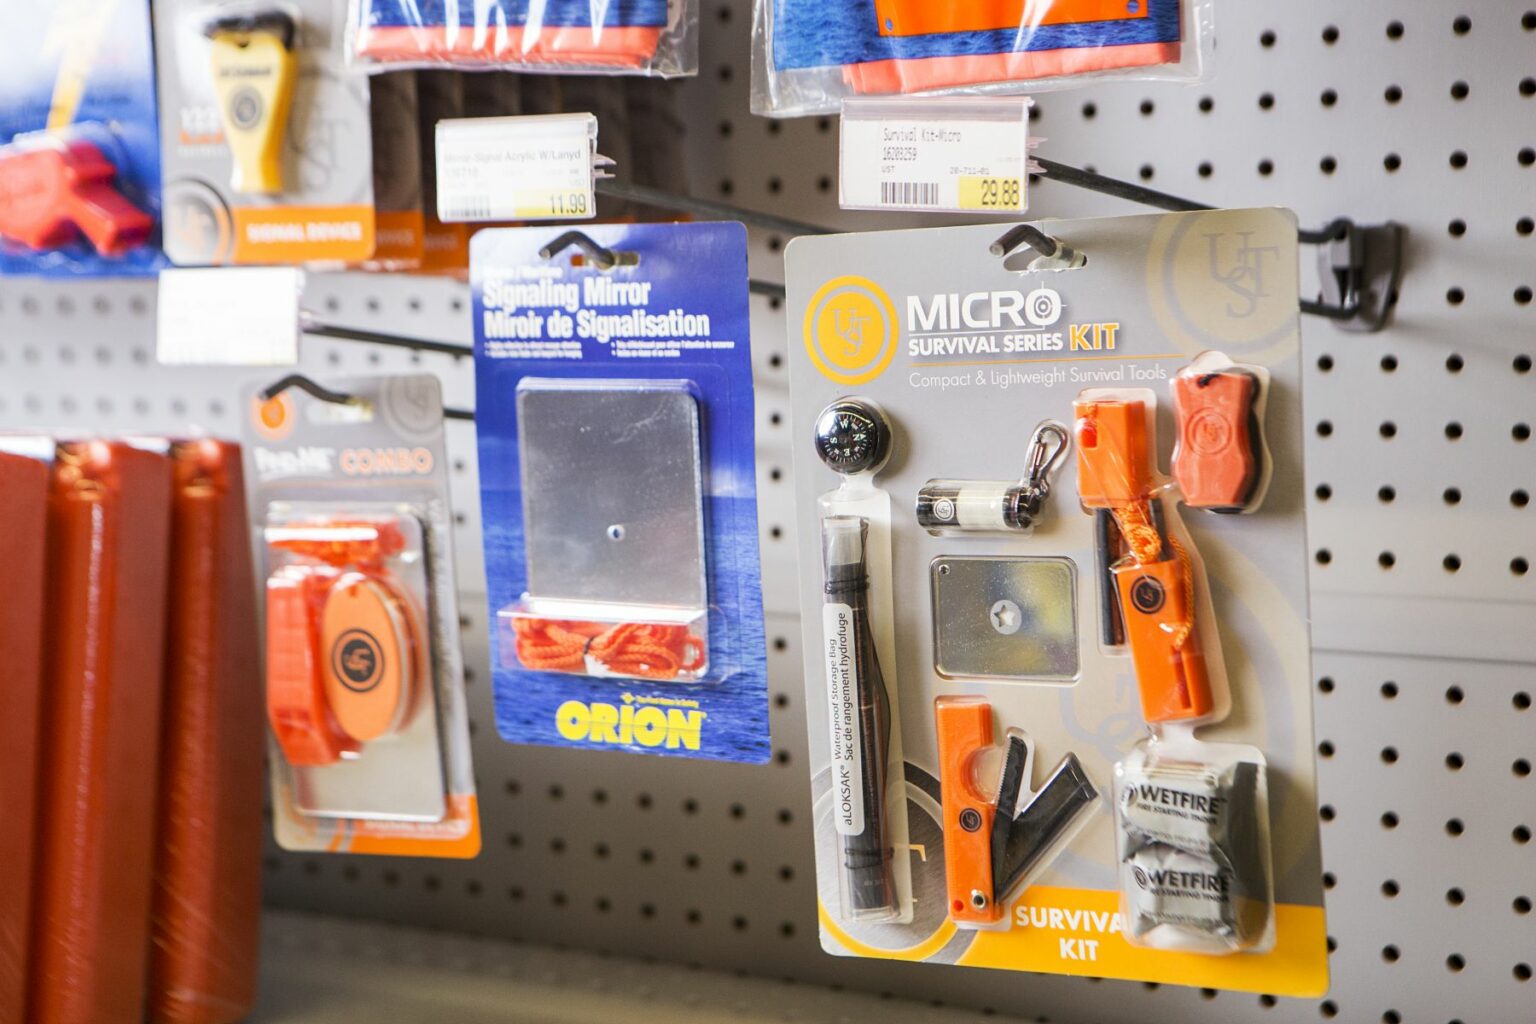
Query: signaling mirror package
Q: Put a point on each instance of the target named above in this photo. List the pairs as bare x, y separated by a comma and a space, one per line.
365, 677
614, 381
265, 135
1054, 599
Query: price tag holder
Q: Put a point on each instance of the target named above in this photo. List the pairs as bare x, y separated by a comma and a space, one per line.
229, 316
516, 168
938, 155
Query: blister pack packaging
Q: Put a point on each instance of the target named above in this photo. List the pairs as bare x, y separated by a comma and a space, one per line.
808, 55
265, 136
589, 37
614, 384
79, 149
365, 677
1086, 735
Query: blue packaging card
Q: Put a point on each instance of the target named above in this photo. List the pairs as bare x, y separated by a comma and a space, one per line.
672, 324
86, 71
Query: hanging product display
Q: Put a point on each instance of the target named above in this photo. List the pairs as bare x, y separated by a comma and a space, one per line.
207, 906
808, 55
79, 148
23, 544
253, 172
613, 372
1072, 613
109, 515
365, 679
594, 37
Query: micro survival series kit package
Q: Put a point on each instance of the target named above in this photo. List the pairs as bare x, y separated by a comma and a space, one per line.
1054, 595
613, 381
365, 676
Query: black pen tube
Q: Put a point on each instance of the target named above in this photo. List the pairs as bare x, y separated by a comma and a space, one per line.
861, 723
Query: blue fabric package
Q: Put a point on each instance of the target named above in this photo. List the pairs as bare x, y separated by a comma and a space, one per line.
617, 467
79, 143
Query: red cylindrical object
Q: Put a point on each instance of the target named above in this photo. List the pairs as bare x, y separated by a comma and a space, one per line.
108, 523
23, 539
208, 865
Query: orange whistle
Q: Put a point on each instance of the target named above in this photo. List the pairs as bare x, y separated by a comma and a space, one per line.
964, 729
1150, 573
1216, 462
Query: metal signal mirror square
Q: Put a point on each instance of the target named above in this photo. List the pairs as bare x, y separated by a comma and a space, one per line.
1004, 617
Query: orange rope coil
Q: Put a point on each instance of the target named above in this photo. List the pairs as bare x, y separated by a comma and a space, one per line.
644, 650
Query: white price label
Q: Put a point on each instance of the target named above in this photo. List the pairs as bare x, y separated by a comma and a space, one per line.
957, 155
229, 316
516, 168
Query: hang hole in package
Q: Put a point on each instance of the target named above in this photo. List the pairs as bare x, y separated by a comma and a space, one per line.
1054, 600
616, 428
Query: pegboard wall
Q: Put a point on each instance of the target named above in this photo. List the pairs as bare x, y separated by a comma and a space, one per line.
1420, 462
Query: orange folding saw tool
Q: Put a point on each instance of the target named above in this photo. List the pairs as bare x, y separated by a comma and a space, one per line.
994, 844
1148, 594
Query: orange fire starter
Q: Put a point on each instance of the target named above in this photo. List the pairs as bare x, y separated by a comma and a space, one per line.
1152, 576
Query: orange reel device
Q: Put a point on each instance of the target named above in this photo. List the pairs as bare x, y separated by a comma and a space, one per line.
344, 647
1149, 581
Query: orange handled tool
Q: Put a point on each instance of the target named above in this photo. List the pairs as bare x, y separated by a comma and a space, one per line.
1219, 454
992, 845
1148, 583
52, 186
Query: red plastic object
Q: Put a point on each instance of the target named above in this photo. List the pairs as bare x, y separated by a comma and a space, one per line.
23, 533
52, 187
108, 532
208, 866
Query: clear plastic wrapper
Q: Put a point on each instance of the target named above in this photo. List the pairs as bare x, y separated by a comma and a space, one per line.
808, 55
618, 37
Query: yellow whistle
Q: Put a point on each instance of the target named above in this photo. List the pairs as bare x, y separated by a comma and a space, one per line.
254, 67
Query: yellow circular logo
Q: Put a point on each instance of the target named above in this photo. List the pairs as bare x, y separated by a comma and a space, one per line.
850, 330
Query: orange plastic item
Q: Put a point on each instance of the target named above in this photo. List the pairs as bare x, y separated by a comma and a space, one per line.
368, 640
1216, 462
964, 729
923, 74
365, 543
643, 650
23, 541
52, 186
301, 717
925, 17
1112, 452
208, 868
1154, 577
109, 525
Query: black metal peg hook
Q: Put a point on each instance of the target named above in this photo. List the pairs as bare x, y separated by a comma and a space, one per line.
1046, 246
601, 256
309, 387
325, 394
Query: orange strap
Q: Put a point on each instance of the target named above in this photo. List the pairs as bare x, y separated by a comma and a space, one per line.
1146, 546
645, 650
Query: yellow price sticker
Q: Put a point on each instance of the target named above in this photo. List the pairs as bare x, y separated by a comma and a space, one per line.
977, 193
537, 204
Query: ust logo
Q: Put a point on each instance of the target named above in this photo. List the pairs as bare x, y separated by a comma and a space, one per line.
1241, 271
850, 330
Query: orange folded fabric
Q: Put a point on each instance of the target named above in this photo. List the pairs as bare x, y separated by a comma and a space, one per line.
23, 538
207, 900
108, 523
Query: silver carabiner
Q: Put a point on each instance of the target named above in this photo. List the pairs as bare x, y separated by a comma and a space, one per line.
1047, 446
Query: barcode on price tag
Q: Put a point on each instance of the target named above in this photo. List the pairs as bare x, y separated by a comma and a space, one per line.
516, 168
960, 155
